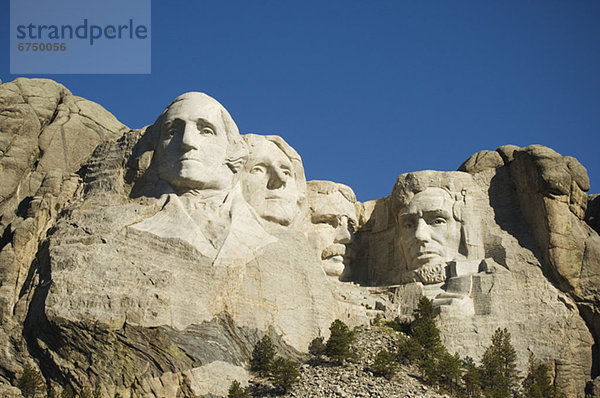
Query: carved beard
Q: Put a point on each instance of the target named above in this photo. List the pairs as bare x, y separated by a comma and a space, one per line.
427, 274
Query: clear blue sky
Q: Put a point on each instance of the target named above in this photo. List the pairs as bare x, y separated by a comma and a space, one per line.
367, 90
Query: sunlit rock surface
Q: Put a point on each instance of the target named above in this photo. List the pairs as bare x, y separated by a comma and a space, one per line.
153, 260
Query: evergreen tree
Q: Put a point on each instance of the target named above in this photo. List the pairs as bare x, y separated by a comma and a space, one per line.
338, 345
284, 374
537, 384
424, 311
262, 356
471, 378
450, 368
408, 350
498, 366
428, 336
425, 332
317, 347
31, 382
429, 370
236, 391
384, 364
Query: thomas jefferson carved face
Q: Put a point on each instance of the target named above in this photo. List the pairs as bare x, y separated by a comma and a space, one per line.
429, 233
269, 182
334, 221
192, 147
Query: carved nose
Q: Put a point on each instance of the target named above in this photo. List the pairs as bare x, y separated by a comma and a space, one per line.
188, 137
276, 179
422, 232
342, 232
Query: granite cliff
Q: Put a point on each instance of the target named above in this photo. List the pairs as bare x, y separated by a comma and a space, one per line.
152, 260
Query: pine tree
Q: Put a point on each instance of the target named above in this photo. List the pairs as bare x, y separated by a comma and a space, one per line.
424, 311
317, 347
425, 332
498, 366
428, 336
384, 364
284, 374
262, 356
450, 368
236, 391
408, 350
338, 345
537, 384
429, 370
471, 378
31, 382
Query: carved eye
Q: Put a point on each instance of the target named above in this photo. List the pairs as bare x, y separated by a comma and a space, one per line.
352, 225
258, 169
409, 225
207, 131
438, 221
286, 172
168, 130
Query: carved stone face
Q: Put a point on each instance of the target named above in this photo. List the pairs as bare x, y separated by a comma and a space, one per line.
334, 222
269, 183
192, 146
429, 233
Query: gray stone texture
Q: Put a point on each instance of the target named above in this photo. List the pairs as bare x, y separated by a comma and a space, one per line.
123, 265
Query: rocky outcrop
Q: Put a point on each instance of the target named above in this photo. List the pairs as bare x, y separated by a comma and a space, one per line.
151, 261
497, 262
46, 134
551, 191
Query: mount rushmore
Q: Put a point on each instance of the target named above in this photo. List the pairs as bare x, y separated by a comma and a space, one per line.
158, 257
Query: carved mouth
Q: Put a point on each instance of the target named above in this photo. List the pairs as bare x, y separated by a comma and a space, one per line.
336, 258
334, 251
428, 254
189, 159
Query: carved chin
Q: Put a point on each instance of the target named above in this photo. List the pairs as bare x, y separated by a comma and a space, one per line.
334, 266
278, 214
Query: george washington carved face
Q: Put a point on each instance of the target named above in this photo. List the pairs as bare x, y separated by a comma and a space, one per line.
194, 138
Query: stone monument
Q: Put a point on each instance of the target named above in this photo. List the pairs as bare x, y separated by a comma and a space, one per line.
154, 259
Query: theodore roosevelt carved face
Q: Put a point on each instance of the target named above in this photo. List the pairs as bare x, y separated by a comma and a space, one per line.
429, 235
333, 221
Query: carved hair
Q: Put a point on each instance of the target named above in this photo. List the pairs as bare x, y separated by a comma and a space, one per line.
319, 187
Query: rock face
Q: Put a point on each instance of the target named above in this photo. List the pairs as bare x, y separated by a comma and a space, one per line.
46, 135
461, 240
151, 261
